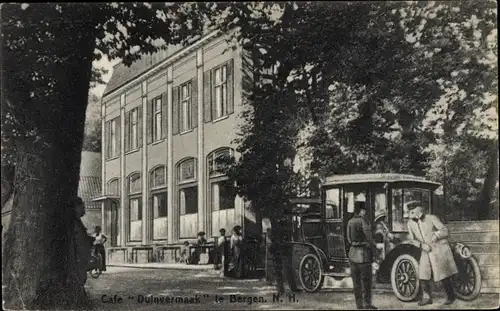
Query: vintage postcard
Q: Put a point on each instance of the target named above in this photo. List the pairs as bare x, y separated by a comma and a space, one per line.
250, 155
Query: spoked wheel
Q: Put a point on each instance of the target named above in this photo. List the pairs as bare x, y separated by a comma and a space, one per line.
310, 274
467, 282
404, 278
95, 273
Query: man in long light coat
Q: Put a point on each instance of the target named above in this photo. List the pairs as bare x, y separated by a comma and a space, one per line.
436, 260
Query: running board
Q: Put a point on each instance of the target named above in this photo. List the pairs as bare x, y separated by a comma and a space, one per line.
337, 274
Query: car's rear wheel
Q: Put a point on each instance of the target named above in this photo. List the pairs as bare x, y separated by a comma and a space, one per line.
404, 278
467, 282
310, 273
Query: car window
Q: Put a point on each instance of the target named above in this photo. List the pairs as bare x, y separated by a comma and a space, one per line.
332, 197
351, 197
400, 199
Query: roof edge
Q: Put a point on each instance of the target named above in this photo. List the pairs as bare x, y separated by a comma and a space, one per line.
152, 70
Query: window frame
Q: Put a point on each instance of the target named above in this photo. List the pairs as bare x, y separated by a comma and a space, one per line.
212, 165
129, 181
134, 129
110, 182
185, 101
138, 198
182, 188
157, 135
181, 181
221, 109
113, 148
401, 205
155, 194
218, 181
339, 200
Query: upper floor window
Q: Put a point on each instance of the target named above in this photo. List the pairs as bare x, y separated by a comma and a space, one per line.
185, 116
157, 119
133, 126
218, 91
113, 138
133, 134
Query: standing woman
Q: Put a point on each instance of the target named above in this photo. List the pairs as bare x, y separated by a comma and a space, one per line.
99, 241
236, 265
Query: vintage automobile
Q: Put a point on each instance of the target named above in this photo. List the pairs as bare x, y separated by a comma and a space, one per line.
319, 240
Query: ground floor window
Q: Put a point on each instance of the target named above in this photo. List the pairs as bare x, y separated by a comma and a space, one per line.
188, 203
222, 196
159, 202
135, 212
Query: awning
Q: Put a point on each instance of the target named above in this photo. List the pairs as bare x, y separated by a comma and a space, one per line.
106, 197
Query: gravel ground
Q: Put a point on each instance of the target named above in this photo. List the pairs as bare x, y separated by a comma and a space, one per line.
168, 289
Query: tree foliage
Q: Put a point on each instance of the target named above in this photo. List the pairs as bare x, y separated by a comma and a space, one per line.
93, 127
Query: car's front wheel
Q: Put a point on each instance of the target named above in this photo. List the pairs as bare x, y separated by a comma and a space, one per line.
310, 273
404, 278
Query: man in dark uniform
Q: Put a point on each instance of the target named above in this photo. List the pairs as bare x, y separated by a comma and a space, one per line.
359, 236
282, 256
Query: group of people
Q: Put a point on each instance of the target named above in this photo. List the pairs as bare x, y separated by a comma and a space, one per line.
227, 255
436, 261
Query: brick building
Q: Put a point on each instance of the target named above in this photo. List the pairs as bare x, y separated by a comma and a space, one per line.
166, 119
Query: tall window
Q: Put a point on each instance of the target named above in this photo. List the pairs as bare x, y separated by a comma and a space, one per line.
157, 119
222, 191
185, 115
135, 207
220, 91
158, 190
114, 138
187, 198
133, 128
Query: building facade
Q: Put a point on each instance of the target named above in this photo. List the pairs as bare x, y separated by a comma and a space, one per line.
166, 120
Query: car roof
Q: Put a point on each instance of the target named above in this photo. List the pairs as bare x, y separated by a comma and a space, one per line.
375, 178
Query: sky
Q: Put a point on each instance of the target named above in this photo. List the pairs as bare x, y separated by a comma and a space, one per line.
108, 65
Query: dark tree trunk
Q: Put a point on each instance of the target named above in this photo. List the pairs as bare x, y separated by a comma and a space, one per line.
39, 267
484, 210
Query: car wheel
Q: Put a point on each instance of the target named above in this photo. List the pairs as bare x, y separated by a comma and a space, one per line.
404, 278
310, 273
467, 282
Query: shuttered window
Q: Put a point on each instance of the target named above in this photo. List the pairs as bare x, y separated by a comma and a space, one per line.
112, 137
133, 129
218, 95
185, 111
185, 107
157, 119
